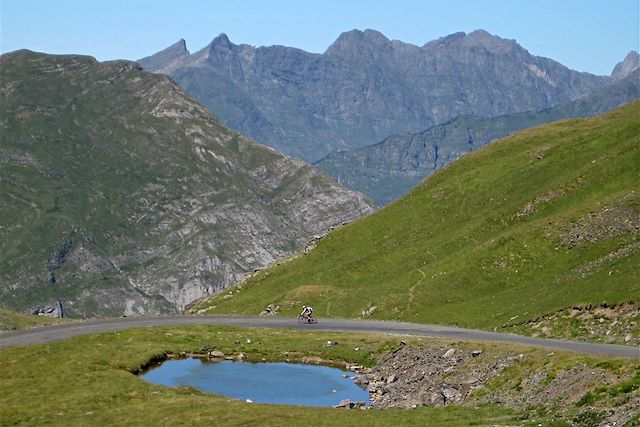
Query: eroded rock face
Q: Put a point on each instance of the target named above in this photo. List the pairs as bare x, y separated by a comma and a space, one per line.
365, 87
127, 197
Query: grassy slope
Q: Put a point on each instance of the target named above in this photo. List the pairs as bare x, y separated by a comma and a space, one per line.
10, 320
456, 251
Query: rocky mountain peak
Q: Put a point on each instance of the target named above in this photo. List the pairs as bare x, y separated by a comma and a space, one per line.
477, 38
179, 47
221, 42
166, 57
352, 41
630, 63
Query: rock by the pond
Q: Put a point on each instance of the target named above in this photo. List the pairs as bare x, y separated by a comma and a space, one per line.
348, 404
361, 380
241, 356
216, 354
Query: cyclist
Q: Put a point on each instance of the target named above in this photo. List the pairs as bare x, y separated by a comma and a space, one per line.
307, 313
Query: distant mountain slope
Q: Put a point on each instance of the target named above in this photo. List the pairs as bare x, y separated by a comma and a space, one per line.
546, 219
389, 169
365, 87
120, 194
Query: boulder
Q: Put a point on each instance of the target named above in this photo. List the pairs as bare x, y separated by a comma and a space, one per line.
361, 380
348, 404
450, 395
449, 353
216, 354
345, 403
437, 399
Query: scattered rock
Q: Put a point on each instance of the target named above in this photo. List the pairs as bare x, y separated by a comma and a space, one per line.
216, 354
537, 378
369, 312
476, 353
241, 356
468, 379
449, 353
271, 310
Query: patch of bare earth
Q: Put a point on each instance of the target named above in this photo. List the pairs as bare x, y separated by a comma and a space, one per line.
610, 222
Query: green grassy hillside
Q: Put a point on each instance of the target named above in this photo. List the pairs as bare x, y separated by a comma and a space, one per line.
545, 219
10, 320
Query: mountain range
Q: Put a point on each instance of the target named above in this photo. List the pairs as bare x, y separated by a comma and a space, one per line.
365, 87
122, 195
389, 169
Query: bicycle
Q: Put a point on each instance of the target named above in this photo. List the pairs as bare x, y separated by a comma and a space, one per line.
307, 320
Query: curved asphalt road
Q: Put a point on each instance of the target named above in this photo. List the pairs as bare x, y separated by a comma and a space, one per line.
53, 333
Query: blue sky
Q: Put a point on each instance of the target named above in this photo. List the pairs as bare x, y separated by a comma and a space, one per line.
585, 35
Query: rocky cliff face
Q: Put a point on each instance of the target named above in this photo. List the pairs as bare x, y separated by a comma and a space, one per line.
390, 168
365, 86
123, 195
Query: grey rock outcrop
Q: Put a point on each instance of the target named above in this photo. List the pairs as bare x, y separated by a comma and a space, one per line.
365, 87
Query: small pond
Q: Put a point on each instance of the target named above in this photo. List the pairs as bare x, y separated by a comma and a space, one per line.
279, 383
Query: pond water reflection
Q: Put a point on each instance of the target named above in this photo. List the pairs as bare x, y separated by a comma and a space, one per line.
280, 383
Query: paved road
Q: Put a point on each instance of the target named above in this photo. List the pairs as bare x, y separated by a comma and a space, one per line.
53, 333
